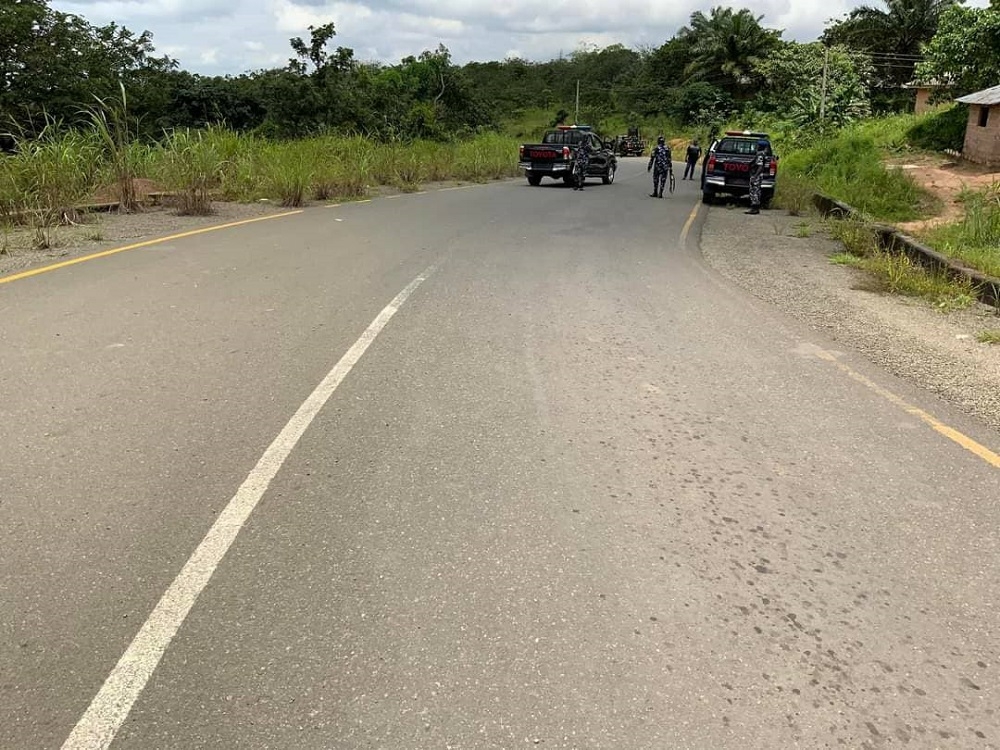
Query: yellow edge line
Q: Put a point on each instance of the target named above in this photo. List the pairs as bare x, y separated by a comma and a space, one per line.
689, 222
404, 195
137, 245
993, 459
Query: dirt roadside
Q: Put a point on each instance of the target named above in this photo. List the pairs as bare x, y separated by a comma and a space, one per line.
784, 260
946, 179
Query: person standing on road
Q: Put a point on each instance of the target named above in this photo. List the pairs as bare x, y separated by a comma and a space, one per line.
693, 154
757, 176
661, 163
582, 162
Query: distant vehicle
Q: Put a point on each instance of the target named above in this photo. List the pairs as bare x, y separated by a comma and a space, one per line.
631, 144
554, 156
726, 167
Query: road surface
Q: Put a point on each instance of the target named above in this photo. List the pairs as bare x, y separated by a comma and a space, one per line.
496, 467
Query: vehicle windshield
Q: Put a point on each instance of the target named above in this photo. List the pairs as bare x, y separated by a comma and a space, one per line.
746, 146
564, 137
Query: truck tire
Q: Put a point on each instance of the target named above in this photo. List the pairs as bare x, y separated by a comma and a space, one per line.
708, 197
766, 196
608, 177
534, 179
567, 179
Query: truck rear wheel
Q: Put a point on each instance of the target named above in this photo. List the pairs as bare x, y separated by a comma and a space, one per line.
534, 179
708, 197
766, 196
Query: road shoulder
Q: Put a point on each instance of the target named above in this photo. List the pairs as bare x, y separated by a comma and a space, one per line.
784, 261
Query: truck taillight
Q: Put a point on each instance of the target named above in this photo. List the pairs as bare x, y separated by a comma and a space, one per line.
566, 153
520, 151
711, 163
774, 167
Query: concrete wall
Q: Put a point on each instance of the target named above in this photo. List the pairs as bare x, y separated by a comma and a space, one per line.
982, 144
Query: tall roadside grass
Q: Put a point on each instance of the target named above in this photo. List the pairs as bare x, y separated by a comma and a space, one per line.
49, 175
191, 164
122, 155
63, 168
849, 167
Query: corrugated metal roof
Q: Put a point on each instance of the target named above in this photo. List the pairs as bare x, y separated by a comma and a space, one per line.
989, 97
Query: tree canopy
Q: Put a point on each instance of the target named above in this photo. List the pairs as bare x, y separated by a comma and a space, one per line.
965, 51
722, 62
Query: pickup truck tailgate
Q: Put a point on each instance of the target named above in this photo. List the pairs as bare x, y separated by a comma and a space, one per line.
542, 153
733, 168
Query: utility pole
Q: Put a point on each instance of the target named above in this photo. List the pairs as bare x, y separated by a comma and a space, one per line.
822, 99
576, 120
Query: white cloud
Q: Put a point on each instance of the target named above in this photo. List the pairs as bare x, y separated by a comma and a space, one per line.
223, 36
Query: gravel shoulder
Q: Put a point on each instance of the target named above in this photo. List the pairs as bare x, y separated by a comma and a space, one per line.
784, 260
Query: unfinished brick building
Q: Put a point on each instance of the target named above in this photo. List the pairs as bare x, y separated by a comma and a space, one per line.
982, 133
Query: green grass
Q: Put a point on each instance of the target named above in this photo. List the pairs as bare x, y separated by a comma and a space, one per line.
895, 273
56, 171
846, 259
989, 337
849, 167
975, 241
849, 164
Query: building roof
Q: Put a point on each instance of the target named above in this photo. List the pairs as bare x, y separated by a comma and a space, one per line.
987, 97
932, 83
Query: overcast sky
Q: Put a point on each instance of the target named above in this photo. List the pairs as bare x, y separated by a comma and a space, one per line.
231, 37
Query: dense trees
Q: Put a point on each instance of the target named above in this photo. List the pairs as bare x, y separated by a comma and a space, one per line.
724, 62
966, 49
57, 62
893, 37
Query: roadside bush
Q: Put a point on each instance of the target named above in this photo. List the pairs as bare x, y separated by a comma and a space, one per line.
191, 164
849, 167
54, 172
941, 130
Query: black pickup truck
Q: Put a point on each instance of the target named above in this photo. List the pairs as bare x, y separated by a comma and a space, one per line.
726, 167
554, 156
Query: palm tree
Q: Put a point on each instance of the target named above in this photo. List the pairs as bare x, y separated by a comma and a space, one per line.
724, 46
893, 35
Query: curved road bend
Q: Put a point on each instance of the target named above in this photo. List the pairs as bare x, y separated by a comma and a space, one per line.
570, 490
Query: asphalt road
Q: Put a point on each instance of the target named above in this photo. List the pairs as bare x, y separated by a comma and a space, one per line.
579, 492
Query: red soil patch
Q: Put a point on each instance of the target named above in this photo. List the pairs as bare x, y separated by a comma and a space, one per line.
947, 180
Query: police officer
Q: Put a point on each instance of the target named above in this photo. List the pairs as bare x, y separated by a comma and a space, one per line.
582, 162
661, 163
757, 176
693, 154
